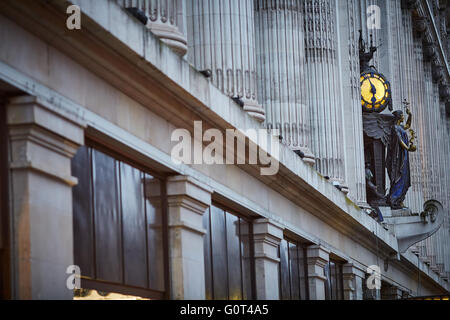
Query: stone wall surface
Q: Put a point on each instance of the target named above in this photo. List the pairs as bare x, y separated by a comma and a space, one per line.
133, 91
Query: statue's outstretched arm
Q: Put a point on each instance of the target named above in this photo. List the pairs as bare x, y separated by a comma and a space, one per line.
402, 144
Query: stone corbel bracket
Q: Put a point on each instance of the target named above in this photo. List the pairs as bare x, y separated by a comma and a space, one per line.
412, 229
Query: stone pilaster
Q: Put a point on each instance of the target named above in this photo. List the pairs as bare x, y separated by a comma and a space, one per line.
348, 13
428, 142
324, 93
353, 282
281, 71
221, 39
318, 258
267, 237
42, 144
166, 20
187, 200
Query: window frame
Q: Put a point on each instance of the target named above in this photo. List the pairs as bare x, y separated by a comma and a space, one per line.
339, 278
304, 248
121, 288
247, 219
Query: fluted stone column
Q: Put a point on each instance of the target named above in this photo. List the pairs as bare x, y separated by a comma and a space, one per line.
166, 20
324, 93
42, 144
281, 71
402, 63
318, 257
392, 54
221, 39
348, 13
187, 200
441, 237
428, 172
353, 282
416, 97
267, 237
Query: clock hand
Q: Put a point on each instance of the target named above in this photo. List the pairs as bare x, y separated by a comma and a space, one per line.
373, 90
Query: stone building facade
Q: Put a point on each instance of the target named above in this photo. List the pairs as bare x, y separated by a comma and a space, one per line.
87, 119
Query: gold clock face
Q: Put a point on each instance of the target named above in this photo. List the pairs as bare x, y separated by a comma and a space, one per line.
375, 92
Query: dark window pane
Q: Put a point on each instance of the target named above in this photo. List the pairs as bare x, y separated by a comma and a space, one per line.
284, 271
339, 289
327, 282
234, 258
107, 218
303, 271
118, 225
219, 254
134, 227
207, 250
246, 260
333, 280
228, 250
294, 275
293, 271
154, 232
82, 213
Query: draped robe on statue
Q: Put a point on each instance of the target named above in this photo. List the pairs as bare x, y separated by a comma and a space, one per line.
397, 164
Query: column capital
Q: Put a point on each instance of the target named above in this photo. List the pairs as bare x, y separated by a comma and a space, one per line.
353, 269
318, 255
189, 187
187, 200
268, 230
317, 258
43, 140
33, 111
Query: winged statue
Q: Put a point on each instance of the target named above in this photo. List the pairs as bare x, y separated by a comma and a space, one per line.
399, 140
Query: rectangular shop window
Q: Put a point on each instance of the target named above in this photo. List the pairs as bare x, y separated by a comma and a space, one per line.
119, 226
334, 284
293, 271
229, 257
